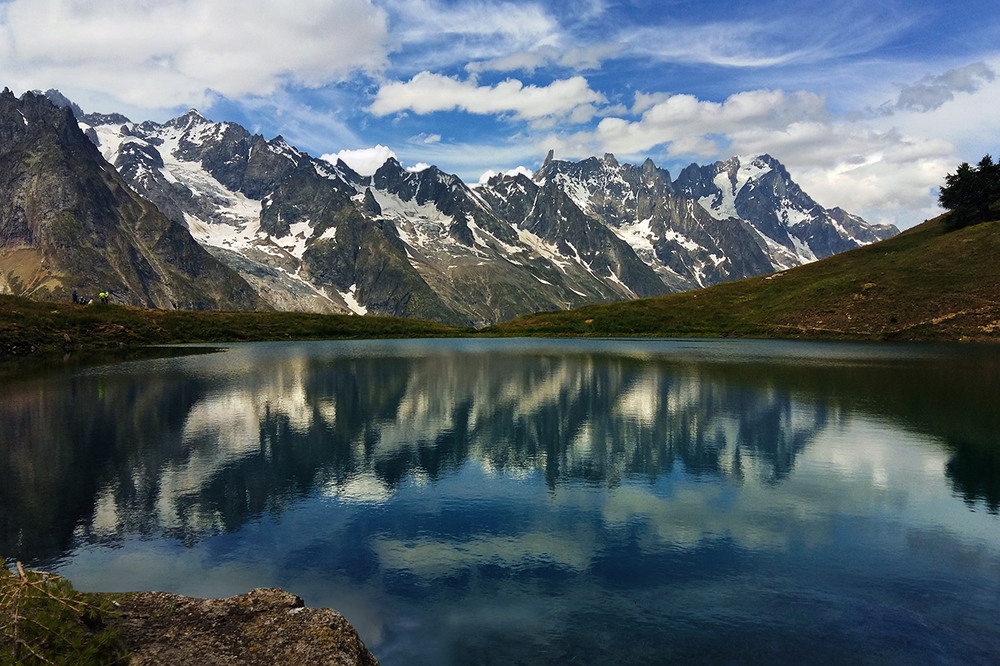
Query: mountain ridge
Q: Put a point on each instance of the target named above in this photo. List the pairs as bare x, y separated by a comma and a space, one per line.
309, 235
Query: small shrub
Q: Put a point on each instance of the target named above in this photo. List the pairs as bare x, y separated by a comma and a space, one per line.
43, 620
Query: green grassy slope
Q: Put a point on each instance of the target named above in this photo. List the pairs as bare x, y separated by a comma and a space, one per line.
923, 284
35, 326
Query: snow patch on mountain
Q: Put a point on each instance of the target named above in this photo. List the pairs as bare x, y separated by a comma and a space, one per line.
109, 139
577, 191
751, 168
295, 242
351, 298
419, 225
230, 236
802, 249
682, 240
234, 208
544, 249
638, 234
792, 216
722, 205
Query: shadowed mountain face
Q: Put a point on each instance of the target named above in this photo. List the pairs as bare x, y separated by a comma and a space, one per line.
308, 235
68, 221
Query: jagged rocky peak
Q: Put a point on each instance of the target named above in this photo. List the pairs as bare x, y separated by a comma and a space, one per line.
346, 171
370, 204
190, 119
423, 186
495, 180
96, 119
391, 167
693, 181
61, 101
280, 146
698, 181
551, 155
656, 177
392, 177
33, 116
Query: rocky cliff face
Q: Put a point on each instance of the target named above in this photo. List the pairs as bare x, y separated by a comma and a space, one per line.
310, 235
68, 221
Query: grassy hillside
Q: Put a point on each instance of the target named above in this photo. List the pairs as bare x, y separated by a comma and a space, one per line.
34, 326
924, 284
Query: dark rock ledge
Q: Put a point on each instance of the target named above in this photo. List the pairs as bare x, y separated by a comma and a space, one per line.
264, 626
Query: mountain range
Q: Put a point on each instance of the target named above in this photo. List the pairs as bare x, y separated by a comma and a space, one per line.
204, 215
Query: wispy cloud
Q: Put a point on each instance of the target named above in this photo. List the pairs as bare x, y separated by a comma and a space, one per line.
574, 58
423, 21
934, 90
319, 125
767, 40
438, 35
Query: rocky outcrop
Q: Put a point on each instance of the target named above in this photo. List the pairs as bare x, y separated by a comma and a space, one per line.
266, 626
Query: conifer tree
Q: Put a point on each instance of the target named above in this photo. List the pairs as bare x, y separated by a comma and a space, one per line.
970, 193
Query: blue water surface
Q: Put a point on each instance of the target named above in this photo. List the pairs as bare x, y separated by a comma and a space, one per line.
525, 501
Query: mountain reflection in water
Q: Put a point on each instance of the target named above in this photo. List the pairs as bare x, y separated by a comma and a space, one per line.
426, 454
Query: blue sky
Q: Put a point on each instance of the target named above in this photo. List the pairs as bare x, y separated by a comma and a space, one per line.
869, 103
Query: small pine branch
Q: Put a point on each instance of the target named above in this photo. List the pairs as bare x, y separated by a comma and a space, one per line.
43, 620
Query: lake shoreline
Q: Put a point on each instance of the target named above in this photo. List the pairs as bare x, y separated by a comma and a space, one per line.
264, 626
42, 615
927, 284
46, 331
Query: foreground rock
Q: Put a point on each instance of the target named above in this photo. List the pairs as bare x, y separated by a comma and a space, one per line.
264, 626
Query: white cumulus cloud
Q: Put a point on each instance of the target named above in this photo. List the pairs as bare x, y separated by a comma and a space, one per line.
182, 52
686, 123
522, 170
365, 161
427, 92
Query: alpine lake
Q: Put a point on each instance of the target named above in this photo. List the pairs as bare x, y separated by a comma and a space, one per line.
487, 501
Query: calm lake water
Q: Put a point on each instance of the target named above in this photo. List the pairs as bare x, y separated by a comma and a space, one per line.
512, 501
